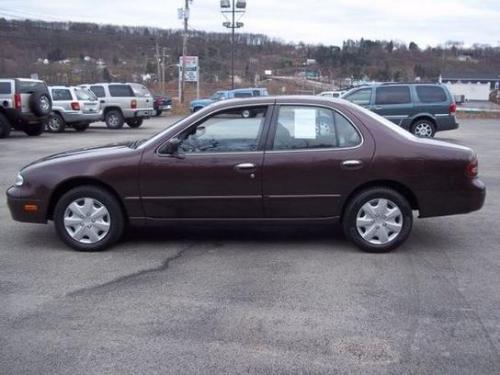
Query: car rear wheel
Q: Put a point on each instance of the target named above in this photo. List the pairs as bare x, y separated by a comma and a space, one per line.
158, 113
33, 130
378, 219
135, 123
114, 119
423, 129
80, 127
88, 218
55, 123
4, 126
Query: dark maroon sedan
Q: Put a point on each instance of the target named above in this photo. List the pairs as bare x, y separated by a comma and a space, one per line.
266, 159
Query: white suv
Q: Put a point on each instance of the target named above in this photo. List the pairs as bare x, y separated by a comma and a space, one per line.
120, 104
76, 107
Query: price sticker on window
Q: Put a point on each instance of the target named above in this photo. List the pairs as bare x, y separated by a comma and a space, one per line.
305, 123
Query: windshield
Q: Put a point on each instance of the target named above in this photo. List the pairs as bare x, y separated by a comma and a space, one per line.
158, 135
219, 95
84, 94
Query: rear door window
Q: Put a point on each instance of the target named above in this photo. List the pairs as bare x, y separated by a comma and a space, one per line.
302, 128
5, 88
121, 91
98, 91
431, 94
392, 95
360, 97
61, 94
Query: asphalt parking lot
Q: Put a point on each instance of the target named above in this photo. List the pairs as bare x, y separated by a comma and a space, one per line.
251, 299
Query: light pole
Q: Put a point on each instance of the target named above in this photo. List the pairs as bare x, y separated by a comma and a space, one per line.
233, 8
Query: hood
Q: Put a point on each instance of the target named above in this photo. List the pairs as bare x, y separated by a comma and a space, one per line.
98, 152
203, 102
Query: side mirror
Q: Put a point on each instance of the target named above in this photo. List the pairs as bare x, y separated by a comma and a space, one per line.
172, 148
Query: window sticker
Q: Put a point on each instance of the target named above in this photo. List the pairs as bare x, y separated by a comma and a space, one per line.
305, 123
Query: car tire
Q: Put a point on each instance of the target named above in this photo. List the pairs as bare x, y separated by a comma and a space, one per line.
158, 113
375, 226
196, 109
80, 127
34, 130
40, 103
423, 129
135, 123
55, 123
81, 222
114, 119
5, 126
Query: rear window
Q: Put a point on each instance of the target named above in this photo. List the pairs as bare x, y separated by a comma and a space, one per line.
431, 94
84, 94
98, 91
61, 94
5, 88
392, 95
28, 87
120, 91
141, 91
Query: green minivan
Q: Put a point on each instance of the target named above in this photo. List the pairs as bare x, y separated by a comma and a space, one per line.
421, 108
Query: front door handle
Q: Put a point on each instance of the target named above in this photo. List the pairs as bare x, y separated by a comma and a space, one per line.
245, 167
378, 107
352, 164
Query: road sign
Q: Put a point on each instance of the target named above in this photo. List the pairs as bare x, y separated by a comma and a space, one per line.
192, 68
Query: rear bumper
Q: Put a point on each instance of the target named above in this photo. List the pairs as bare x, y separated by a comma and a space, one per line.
446, 123
16, 117
18, 211
139, 113
453, 202
82, 117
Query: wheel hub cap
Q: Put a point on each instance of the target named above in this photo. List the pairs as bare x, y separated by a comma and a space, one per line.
87, 220
379, 221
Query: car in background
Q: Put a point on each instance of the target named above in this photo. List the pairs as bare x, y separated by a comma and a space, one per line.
331, 94
421, 108
161, 104
121, 103
25, 105
198, 104
72, 106
299, 159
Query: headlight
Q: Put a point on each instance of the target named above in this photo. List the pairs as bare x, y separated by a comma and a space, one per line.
19, 180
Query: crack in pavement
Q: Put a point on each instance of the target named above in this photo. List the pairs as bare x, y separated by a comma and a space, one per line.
119, 281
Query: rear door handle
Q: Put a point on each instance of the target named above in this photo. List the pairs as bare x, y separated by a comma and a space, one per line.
245, 167
352, 164
378, 107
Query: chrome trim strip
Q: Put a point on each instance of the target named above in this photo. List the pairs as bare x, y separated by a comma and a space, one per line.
299, 196
194, 197
256, 219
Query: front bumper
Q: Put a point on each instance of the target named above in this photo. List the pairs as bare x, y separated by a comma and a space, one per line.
17, 206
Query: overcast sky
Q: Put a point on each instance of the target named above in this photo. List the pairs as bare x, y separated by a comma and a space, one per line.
427, 22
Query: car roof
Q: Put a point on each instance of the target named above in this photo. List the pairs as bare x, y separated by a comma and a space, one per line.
270, 100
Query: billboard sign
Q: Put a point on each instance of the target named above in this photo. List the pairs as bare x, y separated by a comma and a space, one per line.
192, 68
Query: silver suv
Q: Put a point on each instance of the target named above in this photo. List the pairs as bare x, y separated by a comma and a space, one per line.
76, 107
120, 103
25, 105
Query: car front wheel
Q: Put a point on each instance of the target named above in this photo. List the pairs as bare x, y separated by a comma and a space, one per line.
55, 123
378, 219
88, 218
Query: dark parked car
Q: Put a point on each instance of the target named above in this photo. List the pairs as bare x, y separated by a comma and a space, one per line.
161, 104
421, 108
298, 159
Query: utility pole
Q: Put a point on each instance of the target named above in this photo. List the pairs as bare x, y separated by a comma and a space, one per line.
184, 48
233, 7
163, 61
157, 56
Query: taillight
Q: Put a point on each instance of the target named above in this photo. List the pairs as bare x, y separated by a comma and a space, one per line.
472, 168
17, 101
133, 104
75, 106
453, 108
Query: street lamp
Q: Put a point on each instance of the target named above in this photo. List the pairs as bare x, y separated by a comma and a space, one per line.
233, 8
